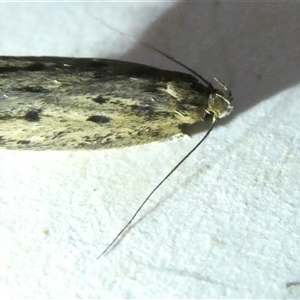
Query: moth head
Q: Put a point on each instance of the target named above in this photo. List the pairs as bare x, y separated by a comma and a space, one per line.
219, 105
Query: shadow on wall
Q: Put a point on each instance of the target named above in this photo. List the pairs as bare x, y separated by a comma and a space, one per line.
252, 47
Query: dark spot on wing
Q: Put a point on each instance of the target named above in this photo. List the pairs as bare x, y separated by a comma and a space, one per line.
99, 119
23, 142
33, 115
32, 89
100, 100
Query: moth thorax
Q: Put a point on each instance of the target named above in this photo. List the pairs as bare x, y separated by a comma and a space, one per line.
218, 105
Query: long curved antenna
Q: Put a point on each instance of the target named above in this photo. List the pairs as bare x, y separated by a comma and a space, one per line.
153, 191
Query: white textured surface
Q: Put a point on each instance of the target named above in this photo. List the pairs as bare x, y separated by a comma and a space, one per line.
225, 225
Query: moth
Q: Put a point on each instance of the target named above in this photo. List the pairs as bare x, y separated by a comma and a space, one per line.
62, 103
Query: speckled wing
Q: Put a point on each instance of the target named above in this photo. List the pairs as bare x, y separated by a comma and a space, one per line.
82, 103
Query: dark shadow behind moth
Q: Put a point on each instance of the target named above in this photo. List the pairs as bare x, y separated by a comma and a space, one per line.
61, 103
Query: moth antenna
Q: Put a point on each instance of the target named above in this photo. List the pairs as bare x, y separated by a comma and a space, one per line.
209, 85
161, 182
